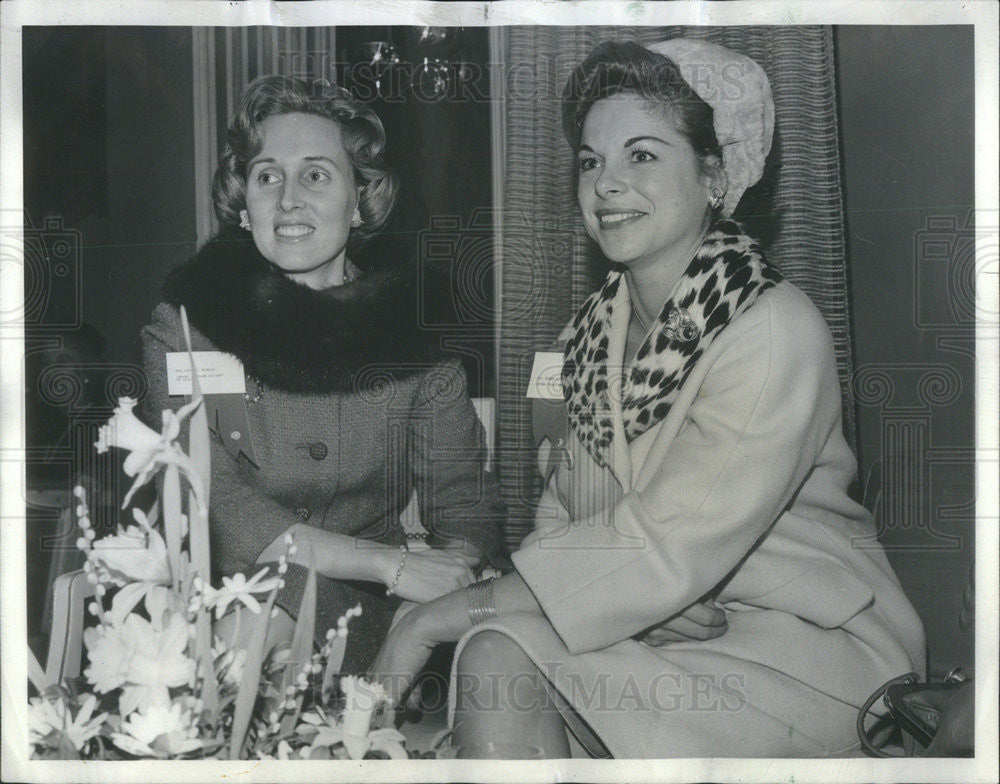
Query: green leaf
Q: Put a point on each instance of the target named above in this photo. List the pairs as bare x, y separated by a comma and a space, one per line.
246, 697
35, 672
172, 523
206, 665
302, 644
200, 454
200, 556
338, 646
67, 750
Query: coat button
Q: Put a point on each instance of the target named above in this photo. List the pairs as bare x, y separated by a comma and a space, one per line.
303, 513
318, 450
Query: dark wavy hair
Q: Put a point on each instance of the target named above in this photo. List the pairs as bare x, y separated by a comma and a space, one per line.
361, 132
614, 68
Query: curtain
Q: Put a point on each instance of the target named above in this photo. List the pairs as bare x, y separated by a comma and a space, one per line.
225, 60
548, 265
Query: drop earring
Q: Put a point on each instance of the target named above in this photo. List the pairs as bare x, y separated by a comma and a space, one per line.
244, 220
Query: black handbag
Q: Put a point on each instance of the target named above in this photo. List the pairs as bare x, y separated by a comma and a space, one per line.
924, 719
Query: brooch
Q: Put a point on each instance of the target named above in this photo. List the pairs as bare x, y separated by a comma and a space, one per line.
680, 326
257, 394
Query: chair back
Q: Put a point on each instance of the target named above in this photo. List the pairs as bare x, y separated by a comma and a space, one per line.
70, 593
486, 411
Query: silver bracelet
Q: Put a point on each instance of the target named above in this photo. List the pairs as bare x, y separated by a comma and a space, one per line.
482, 608
399, 571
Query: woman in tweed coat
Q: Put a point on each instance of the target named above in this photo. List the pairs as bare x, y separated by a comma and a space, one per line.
349, 405
706, 471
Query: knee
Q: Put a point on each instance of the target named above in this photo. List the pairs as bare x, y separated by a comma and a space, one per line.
493, 671
490, 651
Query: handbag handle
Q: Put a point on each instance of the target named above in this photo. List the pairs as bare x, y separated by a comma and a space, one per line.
863, 735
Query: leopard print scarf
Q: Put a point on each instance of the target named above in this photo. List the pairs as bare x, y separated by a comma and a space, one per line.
726, 275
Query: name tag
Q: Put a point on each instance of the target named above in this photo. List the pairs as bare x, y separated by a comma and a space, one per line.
546, 376
218, 373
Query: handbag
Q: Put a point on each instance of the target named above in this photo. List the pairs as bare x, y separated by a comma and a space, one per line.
925, 719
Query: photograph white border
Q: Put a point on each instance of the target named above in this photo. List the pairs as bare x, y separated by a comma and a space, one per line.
982, 14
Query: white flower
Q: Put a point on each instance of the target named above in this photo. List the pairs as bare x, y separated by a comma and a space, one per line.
229, 661
141, 658
161, 730
353, 728
285, 752
134, 555
238, 587
148, 449
386, 739
363, 699
46, 716
135, 559
331, 731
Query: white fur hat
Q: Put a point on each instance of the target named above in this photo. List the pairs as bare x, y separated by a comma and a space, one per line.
739, 93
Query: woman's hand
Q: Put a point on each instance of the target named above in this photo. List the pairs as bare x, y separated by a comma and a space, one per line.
237, 627
701, 621
428, 574
410, 642
403, 655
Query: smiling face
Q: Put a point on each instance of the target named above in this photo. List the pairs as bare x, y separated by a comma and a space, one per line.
642, 190
301, 198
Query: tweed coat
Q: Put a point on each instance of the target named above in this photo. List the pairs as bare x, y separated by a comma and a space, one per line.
739, 494
350, 408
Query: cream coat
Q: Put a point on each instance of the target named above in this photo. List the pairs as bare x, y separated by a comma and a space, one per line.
739, 493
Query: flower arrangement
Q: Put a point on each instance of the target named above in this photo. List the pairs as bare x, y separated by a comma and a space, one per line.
160, 683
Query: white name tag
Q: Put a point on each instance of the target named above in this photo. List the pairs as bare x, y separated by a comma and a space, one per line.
218, 373
546, 376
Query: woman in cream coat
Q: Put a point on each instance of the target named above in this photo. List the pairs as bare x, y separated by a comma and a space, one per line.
699, 583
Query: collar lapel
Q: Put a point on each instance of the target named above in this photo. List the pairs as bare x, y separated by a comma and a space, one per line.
621, 463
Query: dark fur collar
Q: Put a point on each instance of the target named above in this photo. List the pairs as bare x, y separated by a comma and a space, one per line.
296, 339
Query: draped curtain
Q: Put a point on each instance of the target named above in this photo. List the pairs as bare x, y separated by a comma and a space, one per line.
225, 60
547, 264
